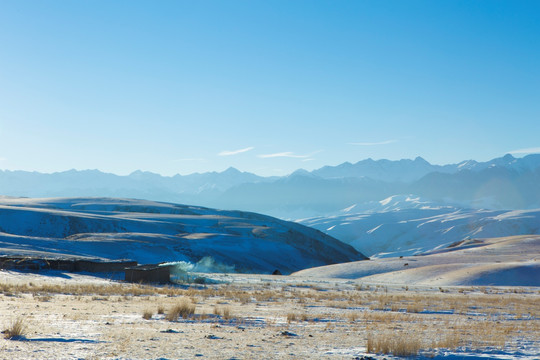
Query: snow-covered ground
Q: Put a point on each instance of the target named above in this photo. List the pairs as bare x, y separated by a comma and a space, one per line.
477, 299
151, 232
509, 261
269, 317
407, 225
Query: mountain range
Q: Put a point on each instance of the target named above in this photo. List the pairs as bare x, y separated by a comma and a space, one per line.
406, 225
501, 183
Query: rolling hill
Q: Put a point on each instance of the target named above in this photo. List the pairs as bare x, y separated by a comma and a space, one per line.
409, 225
507, 261
151, 232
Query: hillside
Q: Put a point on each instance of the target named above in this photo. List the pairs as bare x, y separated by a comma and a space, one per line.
408, 225
151, 232
508, 261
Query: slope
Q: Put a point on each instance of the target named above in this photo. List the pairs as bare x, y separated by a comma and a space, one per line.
507, 261
151, 232
407, 225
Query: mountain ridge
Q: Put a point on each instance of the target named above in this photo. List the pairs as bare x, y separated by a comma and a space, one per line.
501, 183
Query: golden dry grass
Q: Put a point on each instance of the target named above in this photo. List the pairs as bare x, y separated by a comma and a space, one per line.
185, 309
17, 329
147, 315
395, 322
392, 343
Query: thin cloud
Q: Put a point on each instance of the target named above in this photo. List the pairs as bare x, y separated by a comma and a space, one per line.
189, 159
533, 150
286, 154
289, 154
235, 152
386, 142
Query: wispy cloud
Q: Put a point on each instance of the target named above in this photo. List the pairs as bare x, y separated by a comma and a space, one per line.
533, 150
386, 142
286, 154
189, 159
235, 152
289, 154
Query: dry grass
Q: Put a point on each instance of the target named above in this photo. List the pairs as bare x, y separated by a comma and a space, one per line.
17, 329
224, 312
352, 316
473, 317
291, 317
414, 307
185, 309
391, 343
450, 341
147, 315
98, 290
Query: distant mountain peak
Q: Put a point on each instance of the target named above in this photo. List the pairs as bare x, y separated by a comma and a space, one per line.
140, 173
302, 172
420, 159
231, 170
508, 157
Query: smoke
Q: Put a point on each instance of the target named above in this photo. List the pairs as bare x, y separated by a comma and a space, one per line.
208, 265
184, 271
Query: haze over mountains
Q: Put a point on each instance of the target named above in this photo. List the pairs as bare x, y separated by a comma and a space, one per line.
502, 183
376, 208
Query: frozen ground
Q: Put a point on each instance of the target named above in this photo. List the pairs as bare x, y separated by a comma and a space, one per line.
264, 317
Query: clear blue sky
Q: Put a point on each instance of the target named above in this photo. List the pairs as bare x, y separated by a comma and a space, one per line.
265, 86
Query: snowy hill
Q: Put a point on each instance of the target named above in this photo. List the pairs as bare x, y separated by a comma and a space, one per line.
507, 261
151, 232
407, 225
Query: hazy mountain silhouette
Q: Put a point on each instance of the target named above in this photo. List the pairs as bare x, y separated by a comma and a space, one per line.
502, 183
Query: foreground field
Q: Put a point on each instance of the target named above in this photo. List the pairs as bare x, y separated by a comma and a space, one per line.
262, 317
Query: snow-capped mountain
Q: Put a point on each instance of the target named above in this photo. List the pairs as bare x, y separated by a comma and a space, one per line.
404, 170
407, 225
150, 232
502, 183
408, 171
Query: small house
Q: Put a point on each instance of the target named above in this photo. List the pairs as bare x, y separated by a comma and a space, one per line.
148, 274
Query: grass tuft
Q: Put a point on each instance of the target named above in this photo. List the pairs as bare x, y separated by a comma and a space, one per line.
291, 317
389, 343
16, 330
184, 309
147, 314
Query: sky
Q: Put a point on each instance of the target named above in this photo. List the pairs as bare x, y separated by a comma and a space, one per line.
177, 87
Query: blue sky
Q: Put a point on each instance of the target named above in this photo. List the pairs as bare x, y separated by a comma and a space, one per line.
265, 86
